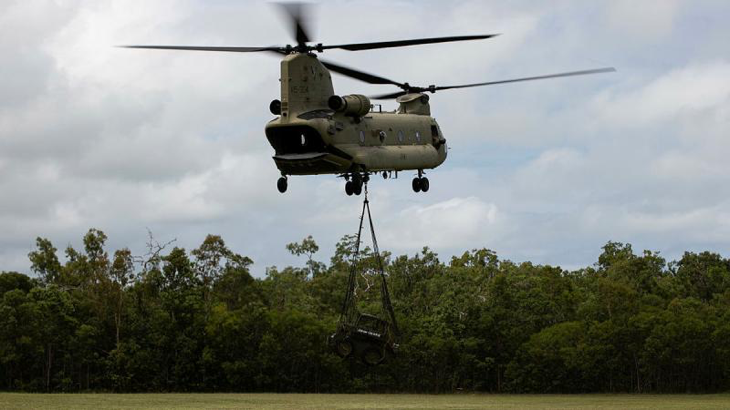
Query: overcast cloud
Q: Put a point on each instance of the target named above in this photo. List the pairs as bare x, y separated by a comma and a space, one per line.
548, 171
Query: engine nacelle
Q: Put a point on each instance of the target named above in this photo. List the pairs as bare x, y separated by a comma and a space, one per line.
354, 105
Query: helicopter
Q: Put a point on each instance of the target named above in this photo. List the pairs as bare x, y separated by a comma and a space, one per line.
318, 132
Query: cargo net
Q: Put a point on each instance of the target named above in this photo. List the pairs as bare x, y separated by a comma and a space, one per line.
370, 338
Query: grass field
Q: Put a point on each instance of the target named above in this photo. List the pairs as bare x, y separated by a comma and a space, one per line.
359, 401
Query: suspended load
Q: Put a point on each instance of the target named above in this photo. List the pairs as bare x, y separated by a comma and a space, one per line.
370, 338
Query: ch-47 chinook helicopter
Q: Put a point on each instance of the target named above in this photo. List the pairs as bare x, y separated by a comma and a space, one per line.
319, 132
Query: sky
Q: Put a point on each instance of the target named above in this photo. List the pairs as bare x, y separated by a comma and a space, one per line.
126, 141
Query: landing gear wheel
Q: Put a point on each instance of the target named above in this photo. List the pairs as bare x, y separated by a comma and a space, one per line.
357, 187
416, 184
344, 348
424, 184
349, 188
282, 184
356, 179
372, 356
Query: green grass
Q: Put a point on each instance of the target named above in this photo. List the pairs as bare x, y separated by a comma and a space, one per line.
360, 401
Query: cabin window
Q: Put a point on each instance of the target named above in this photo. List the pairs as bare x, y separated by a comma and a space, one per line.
362, 137
434, 131
418, 136
400, 136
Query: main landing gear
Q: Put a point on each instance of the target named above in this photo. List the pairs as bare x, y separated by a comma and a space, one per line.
354, 183
420, 183
357, 180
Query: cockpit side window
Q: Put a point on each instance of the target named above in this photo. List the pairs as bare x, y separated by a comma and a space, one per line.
434, 131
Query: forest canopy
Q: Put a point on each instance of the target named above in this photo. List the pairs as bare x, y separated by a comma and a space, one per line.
179, 320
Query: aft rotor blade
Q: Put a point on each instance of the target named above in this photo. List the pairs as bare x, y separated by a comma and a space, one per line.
205, 48
387, 96
297, 13
359, 75
540, 77
404, 43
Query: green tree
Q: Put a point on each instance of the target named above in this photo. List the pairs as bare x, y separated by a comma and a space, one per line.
307, 247
44, 261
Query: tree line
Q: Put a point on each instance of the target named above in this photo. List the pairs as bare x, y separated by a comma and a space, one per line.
177, 320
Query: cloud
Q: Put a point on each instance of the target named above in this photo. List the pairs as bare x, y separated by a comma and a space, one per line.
123, 140
697, 227
26, 68
645, 21
457, 223
679, 93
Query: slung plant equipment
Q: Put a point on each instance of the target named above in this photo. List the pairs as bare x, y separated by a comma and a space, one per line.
319, 132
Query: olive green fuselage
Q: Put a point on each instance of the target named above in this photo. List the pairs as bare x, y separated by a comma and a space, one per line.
310, 137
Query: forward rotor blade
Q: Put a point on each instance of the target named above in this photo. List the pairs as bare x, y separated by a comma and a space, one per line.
404, 43
205, 48
359, 75
540, 77
297, 13
387, 96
